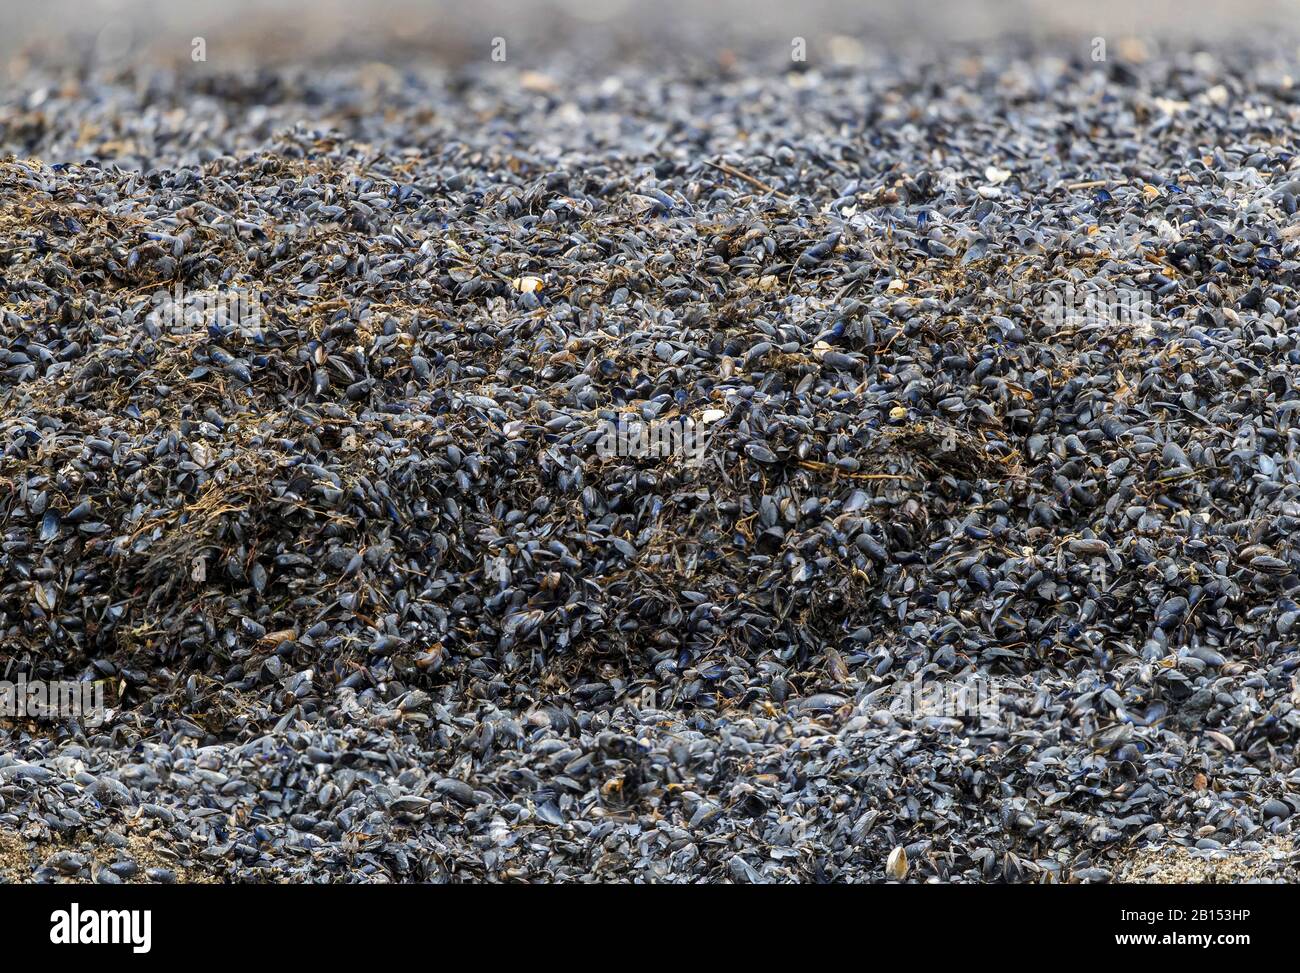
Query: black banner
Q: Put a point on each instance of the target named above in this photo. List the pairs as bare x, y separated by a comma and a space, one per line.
147, 924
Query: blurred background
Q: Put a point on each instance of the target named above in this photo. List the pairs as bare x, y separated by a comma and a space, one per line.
243, 33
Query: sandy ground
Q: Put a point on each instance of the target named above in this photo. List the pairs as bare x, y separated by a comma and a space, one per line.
19, 858
1177, 865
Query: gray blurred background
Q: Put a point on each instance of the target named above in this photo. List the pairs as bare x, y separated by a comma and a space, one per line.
243, 33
